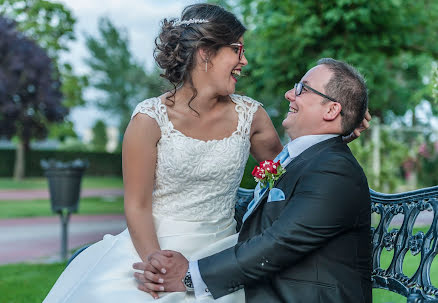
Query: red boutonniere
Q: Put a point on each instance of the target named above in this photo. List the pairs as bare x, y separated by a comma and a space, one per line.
268, 172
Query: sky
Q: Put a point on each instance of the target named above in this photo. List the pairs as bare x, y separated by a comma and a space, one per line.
140, 18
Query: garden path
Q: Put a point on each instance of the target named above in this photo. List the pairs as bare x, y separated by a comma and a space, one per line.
38, 239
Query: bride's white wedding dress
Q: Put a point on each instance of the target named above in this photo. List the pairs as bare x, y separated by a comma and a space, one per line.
193, 207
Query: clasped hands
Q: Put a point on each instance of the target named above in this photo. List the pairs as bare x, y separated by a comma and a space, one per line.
164, 271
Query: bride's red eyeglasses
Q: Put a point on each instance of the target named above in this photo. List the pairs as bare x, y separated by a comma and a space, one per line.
239, 49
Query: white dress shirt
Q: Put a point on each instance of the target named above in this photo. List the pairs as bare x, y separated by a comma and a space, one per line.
295, 148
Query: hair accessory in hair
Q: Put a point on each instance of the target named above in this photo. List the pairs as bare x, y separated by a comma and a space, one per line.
190, 21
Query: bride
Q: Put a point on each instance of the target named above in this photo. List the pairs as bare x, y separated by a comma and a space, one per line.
184, 155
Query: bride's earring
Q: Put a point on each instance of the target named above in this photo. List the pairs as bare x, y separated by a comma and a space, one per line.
206, 65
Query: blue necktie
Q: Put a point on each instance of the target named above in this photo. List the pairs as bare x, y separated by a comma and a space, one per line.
282, 157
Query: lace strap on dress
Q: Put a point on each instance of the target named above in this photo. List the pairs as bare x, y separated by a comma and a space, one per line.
155, 109
246, 108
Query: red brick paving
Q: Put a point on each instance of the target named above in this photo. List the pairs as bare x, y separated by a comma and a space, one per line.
36, 239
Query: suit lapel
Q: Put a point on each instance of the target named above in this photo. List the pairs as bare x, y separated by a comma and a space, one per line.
263, 198
305, 155
289, 169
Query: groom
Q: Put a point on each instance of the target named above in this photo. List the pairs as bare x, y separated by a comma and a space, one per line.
308, 239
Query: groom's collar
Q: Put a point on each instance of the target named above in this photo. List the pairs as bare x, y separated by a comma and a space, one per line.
300, 144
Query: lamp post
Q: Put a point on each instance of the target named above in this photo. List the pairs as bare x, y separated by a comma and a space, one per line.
65, 186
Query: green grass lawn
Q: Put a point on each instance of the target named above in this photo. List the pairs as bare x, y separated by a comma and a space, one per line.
41, 183
35, 208
27, 283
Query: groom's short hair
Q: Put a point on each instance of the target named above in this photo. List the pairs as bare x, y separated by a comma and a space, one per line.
347, 86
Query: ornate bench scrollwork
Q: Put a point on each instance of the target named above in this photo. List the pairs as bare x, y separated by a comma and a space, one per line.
418, 287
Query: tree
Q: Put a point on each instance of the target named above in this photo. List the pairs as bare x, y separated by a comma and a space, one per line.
100, 138
51, 25
117, 74
30, 94
72, 89
391, 42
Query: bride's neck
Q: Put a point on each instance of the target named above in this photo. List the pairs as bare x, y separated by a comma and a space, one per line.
204, 101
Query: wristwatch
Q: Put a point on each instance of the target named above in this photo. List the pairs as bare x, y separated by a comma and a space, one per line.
187, 281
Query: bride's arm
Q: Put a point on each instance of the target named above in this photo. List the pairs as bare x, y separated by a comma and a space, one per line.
265, 143
139, 157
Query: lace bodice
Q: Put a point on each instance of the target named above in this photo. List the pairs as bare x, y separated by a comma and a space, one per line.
197, 180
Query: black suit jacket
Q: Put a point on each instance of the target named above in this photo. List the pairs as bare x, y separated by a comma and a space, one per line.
313, 246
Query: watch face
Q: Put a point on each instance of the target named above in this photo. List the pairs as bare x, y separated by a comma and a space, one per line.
188, 281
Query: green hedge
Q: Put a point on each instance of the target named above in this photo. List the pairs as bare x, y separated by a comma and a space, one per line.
100, 163
7, 162
248, 180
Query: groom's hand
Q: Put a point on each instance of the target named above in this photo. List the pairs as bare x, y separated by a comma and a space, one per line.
356, 133
164, 272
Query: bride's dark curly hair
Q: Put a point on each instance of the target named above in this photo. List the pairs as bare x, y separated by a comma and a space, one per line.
176, 45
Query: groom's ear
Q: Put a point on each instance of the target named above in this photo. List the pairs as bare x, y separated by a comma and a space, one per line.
333, 110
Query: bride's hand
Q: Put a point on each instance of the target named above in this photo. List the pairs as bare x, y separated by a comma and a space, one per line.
356, 133
164, 272
150, 279
158, 259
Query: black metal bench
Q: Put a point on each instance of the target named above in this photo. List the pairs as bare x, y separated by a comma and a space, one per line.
417, 288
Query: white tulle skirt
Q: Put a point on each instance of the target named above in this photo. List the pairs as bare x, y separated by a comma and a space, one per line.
103, 273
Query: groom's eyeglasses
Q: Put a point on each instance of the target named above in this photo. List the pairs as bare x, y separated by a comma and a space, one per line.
238, 48
299, 89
